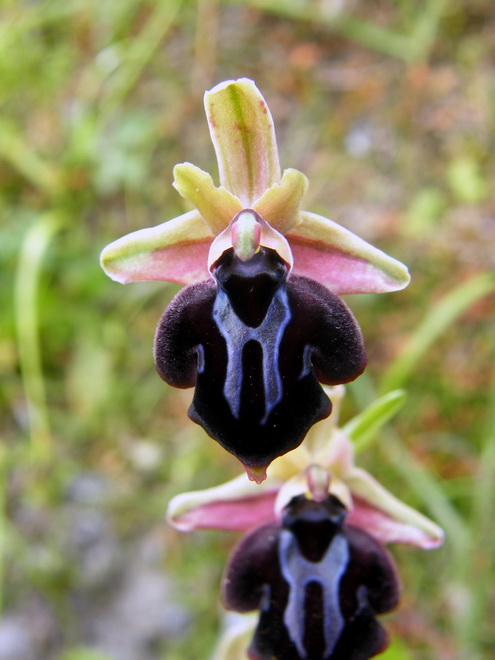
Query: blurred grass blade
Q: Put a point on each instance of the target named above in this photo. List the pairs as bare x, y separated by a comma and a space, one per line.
363, 428
27, 280
470, 627
138, 53
440, 317
23, 158
373, 36
425, 29
483, 499
409, 46
429, 490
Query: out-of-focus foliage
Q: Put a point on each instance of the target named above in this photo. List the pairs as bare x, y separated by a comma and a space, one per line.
388, 109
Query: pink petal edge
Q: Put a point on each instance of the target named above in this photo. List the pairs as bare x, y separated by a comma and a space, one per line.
388, 530
339, 271
186, 263
237, 515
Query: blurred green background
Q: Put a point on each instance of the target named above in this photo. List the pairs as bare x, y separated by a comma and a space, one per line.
388, 108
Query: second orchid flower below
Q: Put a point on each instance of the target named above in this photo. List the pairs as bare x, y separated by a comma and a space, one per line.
319, 585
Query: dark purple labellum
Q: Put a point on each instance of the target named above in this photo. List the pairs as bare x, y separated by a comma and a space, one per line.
318, 584
255, 343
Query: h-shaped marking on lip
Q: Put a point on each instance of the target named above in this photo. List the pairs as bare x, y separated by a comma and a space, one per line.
268, 335
298, 572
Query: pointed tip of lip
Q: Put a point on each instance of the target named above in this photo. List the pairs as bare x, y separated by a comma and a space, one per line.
256, 474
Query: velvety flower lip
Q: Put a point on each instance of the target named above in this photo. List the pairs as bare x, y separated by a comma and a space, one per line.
256, 345
243, 135
318, 583
327, 454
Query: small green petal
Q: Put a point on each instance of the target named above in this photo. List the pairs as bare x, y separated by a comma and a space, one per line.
242, 132
216, 205
280, 204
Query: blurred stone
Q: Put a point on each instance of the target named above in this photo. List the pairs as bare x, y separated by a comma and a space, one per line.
15, 641
136, 612
88, 488
95, 549
31, 632
145, 455
358, 142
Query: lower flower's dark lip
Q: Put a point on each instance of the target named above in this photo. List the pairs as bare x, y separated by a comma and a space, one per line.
319, 585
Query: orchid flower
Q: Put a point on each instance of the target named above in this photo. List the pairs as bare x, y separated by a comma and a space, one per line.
261, 322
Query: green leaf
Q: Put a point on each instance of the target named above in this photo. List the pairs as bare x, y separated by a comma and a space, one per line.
363, 428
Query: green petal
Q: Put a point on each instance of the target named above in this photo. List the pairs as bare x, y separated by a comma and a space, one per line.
175, 251
242, 132
345, 263
280, 204
216, 205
